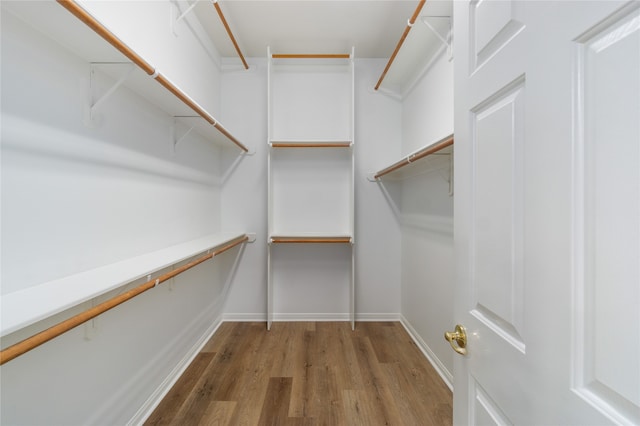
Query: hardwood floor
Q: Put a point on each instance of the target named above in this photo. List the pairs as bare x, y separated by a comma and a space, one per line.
308, 374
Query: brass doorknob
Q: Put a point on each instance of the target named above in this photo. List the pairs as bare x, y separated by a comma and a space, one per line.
459, 337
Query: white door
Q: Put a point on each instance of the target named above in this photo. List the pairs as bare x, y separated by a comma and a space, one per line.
547, 212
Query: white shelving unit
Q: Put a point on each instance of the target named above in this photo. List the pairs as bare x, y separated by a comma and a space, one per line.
310, 161
113, 57
25, 307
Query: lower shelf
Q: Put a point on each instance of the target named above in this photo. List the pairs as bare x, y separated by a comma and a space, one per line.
310, 238
25, 307
341, 239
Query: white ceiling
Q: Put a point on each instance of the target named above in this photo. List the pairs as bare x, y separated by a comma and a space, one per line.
313, 26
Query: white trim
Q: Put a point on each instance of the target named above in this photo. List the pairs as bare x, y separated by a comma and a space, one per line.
291, 317
244, 317
315, 317
383, 317
158, 395
446, 376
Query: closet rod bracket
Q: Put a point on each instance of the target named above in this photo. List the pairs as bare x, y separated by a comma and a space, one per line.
446, 38
93, 106
174, 134
371, 177
175, 19
91, 326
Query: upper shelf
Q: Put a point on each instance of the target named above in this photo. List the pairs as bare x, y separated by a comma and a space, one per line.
311, 144
25, 307
80, 32
310, 98
416, 162
419, 45
286, 60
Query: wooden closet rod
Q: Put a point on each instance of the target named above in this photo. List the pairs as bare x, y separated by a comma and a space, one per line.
233, 39
341, 240
310, 144
103, 32
438, 146
399, 45
225, 132
62, 327
311, 56
184, 98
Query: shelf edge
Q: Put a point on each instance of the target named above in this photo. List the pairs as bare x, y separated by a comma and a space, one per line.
418, 155
118, 275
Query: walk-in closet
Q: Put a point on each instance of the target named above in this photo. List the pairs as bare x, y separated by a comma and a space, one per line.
319, 212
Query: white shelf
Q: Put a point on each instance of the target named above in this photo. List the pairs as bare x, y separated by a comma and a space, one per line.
422, 45
432, 157
28, 306
310, 237
60, 25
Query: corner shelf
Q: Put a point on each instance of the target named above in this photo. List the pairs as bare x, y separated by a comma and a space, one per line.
26, 307
423, 40
421, 161
78, 31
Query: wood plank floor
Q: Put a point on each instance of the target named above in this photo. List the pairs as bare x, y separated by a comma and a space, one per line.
308, 373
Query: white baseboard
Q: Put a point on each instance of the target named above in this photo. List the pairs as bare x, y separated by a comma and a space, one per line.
388, 317
156, 397
244, 317
446, 376
290, 317
312, 317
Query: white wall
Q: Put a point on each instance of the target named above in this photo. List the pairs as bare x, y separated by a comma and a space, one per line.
76, 197
244, 194
316, 288
427, 111
378, 132
427, 215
